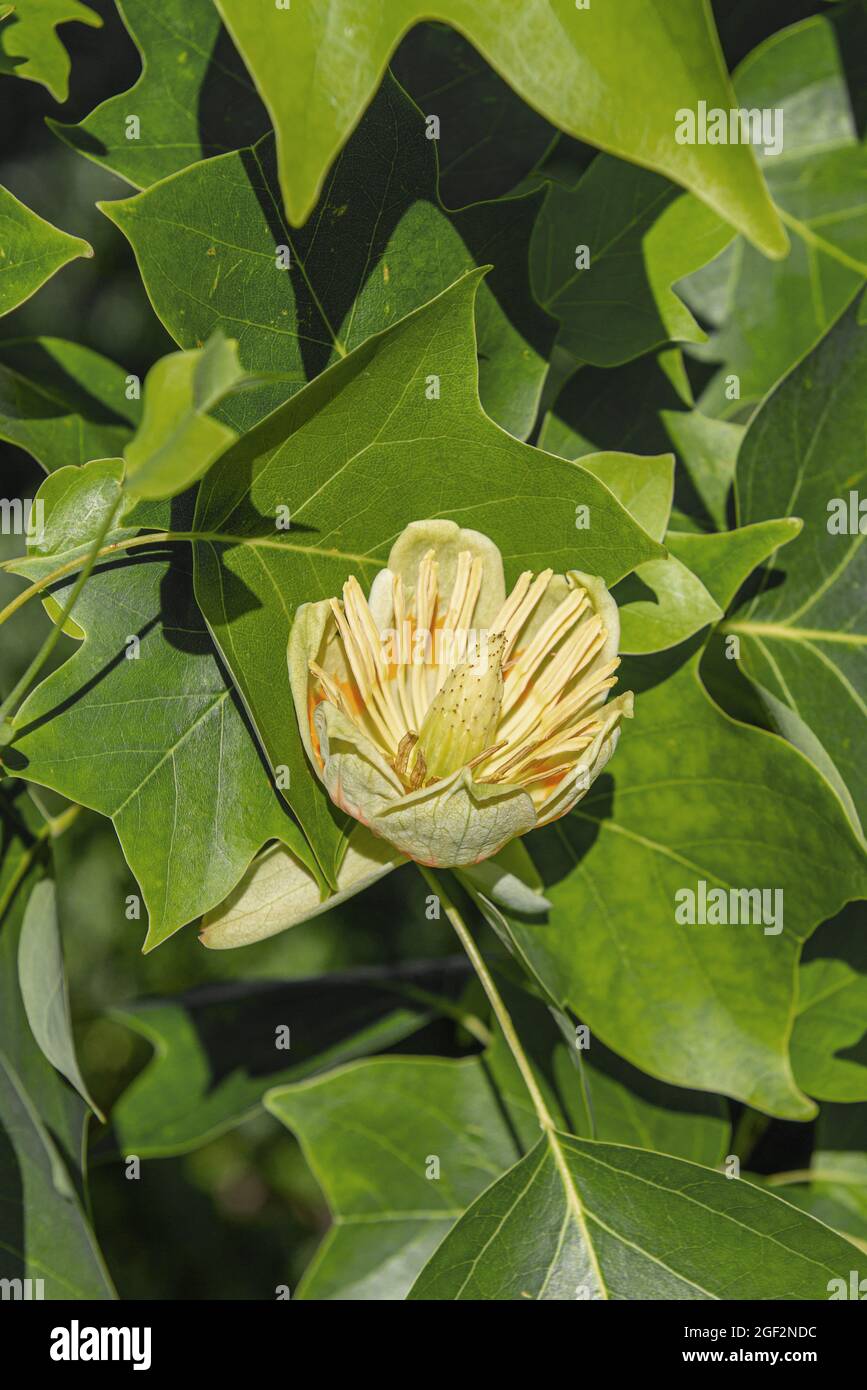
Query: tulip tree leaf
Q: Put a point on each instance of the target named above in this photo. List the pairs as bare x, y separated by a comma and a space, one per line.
614, 80
767, 317
829, 1040
644, 486
177, 439
370, 1145
640, 237
379, 245
42, 981
804, 640
725, 560
30, 46
31, 250
44, 1233
193, 98
695, 798
662, 602
22, 866
576, 1219
63, 403
369, 1131
709, 450
832, 1008
357, 455
59, 1246
156, 739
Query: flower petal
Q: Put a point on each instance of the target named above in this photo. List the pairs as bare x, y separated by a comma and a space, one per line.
311, 639
278, 892
448, 540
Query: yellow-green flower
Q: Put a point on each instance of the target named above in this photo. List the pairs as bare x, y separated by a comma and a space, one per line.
446, 716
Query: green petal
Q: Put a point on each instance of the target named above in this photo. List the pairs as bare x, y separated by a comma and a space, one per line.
456, 822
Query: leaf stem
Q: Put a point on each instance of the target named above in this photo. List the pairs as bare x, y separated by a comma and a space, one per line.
38, 587
23, 685
495, 999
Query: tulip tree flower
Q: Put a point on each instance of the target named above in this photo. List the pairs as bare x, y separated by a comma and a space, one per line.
446, 717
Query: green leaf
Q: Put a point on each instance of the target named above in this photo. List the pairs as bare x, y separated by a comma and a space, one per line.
641, 238
644, 486
177, 440
612, 80
148, 731
30, 46
43, 1231
724, 561
662, 603
695, 797
829, 1048
709, 449
48, 1238
804, 637
767, 317
379, 246
193, 98
25, 850
216, 1052
369, 1132
31, 249
63, 403
42, 981
574, 1219
832, 1007
357, 455
371, 1150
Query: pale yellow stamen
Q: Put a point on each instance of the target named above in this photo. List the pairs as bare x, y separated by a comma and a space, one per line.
525, 719
360, 666
425, 613
546, 639
402, 653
